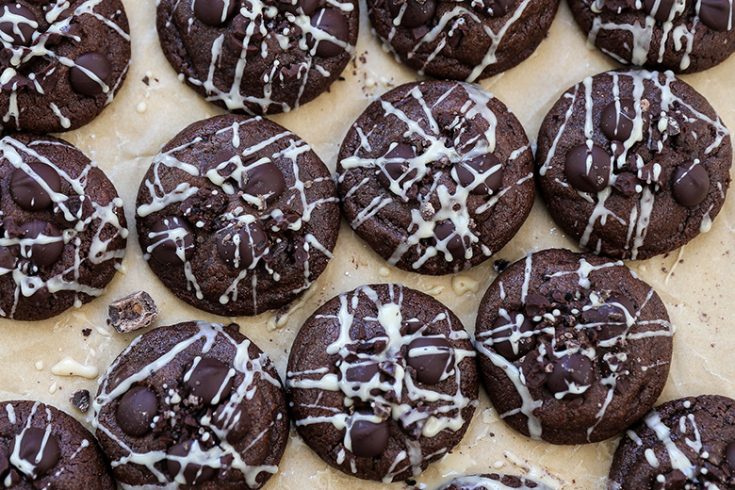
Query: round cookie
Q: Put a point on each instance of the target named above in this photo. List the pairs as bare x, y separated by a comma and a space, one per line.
258, 56
62, 62
633, 164
192, 405
493, 481
382, 381
237, 215
685, 36
573, 348
63, 230
42, 447
436, 176
462, 39
685, 443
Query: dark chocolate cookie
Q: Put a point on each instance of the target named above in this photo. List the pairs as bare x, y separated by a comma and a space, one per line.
687, 443
493, 481
680, 35
573, 348
63, 232
41, 447
258, 56
633, 164
193, 405
382, 381
462, 39
61, 62
436, 176
237, 215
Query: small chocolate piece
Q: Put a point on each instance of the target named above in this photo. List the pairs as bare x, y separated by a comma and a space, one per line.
570, 372
430, 357
210, 380
617, 119
660, 10
45, 243
332, 23
588, 170
136, 411
469, 174
91, 74
265, 181
39, 449
213, 12
446, 229
690, 185
369, 439
171, 240
511, 341
193, 474
415, 13
717, 14
80, 399
18, 23
133, 312
26, 190
241, 246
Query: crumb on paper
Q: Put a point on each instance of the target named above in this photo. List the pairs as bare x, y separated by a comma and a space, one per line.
133, 312
86, 332
80, 400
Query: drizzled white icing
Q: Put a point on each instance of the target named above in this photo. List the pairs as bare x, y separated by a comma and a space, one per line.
102, 228
418, 410
482, 482
212, 448
446, 142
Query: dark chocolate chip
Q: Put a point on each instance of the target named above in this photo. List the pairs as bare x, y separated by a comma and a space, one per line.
613, 318
171, 241
96, 63
45, 250
193, 474
331, 22
717, 14
626, 183
28, 193
396, 169
510, 349
536, 304
617, 119
673, 480
234, 422
592, 179
455, 246
730, 454
690, 185
241, 245
466, 172
215, 12
430, 357
18, 23
369, 439
660, 9
265, 181
41, 452
136, 411
574, 368
416, 13
209, 379
361, 373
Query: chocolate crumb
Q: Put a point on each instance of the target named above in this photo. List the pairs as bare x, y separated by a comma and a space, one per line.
80, 399
133, 312
87, 332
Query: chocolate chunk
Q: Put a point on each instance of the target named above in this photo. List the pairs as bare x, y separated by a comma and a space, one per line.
4, 463
536, 304
588, 170
193, 474
504, 338
265, 181
617, 119
717, 14
40, 451
210, 380
369, 439
80, 399
215, 12
430, 357
172, 241
415, 13
455, 246
730, 454
136, 411
574, 369
28, 193
396, 169
17, 24
240, 246
80, 78
332, 24
46, 245
690, 185
611, 316
362, 373
466, 172
133, 312
235, 423
660, 10
626, 183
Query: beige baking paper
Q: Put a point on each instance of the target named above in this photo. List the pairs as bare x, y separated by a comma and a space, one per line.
697, 283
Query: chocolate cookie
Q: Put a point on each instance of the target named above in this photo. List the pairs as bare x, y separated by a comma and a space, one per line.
436, 176
258, 56
493, 481
193, 405
42, 447
237, 215
462, 39
382, 381
62, 235
61, 63
573, 348
687, 443
680, 35
633, 164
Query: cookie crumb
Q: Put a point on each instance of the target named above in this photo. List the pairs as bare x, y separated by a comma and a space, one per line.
86, 332
80, 400
133, 312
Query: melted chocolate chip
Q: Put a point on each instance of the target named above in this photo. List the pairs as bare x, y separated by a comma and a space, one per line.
241, 246
28, 193
611, 317
171, 241
416, 13
455, 246
136, 411
235, 423
504, 345
617, 119
96, 63
660, 9
536, 304
307, 7
17, 24
730, 454
368, 438
265, 181
215, 12
209, 379
48, 244
396, 169
36, 449
592, 179
430, 357
331, 22
361, 373
690, 185
574, 368
466, 173
717, 14
193, 474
